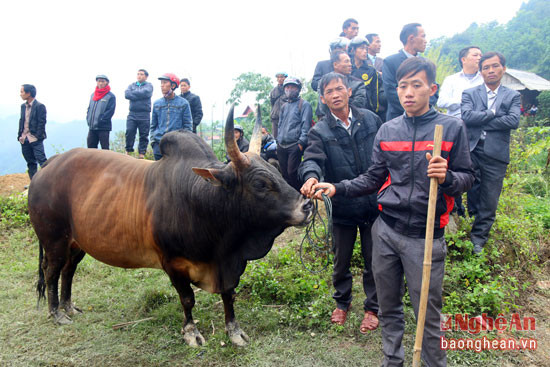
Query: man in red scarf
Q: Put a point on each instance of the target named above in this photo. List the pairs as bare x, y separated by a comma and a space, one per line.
100, 111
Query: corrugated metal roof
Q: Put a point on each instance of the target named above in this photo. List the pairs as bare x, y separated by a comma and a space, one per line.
519, 80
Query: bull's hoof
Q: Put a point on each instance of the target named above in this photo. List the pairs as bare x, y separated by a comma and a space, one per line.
192, 336
236, 335
60, 318
72, 310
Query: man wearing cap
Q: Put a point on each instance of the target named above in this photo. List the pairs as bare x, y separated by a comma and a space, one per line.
277, 98
100, 111
325, 66
170, 113
294, 124
139, 118
194, 102
242, 141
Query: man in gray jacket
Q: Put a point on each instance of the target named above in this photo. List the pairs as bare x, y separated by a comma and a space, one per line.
294, 124
490, 111
139, 118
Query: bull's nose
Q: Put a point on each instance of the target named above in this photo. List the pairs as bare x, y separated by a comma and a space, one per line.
308, 206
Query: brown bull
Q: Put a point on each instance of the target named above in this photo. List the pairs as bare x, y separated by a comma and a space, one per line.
200, 225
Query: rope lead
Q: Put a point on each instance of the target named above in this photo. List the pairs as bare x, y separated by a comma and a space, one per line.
318, 238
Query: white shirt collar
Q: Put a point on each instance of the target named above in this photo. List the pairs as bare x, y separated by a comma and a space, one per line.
408, 54
350, 119
487, 89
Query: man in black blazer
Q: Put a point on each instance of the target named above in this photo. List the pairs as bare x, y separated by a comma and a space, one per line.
414, 41
490, 111
32, 129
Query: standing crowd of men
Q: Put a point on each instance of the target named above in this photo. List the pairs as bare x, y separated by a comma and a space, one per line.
370, 151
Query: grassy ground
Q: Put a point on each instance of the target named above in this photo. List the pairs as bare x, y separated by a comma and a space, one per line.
110, 296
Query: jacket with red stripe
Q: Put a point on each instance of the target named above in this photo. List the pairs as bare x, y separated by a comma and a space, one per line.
399, 171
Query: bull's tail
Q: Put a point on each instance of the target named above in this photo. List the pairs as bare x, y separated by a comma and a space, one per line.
41, 285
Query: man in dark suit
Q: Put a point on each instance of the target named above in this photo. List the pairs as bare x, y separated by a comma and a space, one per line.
490, 111
414, 41
32, 129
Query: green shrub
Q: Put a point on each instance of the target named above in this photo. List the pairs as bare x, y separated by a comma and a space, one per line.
280, 280
14, 212
544, 104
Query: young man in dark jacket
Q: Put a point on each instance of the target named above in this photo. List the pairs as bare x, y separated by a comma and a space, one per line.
194, 102
32, 129
401, 170
100, 111
139, 118
294, 124
340, 148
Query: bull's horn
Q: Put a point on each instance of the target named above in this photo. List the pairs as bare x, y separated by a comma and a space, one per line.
235, 155
256, 140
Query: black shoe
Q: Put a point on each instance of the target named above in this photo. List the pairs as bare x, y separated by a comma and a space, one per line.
478, 249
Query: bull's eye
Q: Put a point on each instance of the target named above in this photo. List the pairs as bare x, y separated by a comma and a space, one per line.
260, 185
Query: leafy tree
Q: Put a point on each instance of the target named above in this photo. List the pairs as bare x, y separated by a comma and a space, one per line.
262, 85
258, 84
544, 104
524, 40
444, 63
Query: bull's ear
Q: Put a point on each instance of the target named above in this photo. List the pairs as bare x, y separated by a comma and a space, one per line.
216, 177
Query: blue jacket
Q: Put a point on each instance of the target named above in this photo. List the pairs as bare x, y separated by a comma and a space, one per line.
294, 123
140, 99
170, 115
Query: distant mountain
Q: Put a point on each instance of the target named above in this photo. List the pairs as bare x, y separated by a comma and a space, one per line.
61, 137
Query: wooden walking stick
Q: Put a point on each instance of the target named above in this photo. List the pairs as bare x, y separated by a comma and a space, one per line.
427, 268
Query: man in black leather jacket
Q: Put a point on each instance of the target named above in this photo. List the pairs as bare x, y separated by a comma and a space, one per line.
194, 102
339, 148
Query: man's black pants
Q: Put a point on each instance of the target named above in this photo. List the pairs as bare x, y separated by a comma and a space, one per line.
98, 136
484, 195
344, 242
134, 124
289, 160
33, 154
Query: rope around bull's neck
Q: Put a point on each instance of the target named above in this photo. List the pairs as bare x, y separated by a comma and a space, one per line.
318, 236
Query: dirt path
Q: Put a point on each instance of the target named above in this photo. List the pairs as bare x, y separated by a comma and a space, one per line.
14, 183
